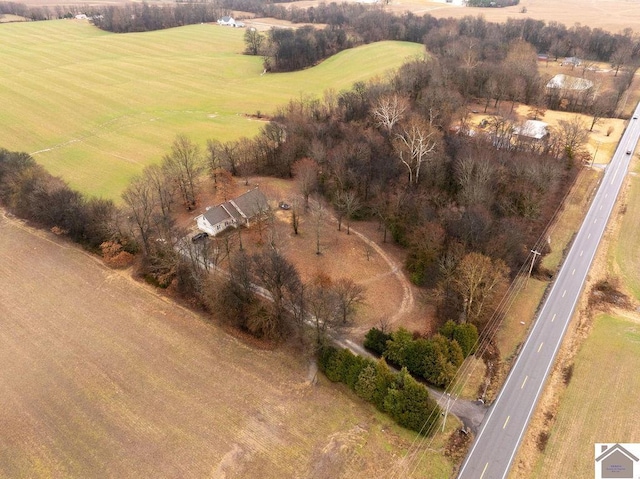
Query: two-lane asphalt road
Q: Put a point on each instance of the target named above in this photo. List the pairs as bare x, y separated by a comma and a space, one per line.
492, 452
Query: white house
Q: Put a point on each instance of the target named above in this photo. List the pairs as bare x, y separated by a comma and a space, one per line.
232, 213
566, 82
227, 21
532, 130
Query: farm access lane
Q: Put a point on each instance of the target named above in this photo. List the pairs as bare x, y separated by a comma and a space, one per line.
492, 452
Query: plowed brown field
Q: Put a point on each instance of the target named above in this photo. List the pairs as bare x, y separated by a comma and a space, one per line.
101, 377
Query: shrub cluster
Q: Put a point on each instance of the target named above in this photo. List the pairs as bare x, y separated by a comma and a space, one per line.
436, 359
399, 395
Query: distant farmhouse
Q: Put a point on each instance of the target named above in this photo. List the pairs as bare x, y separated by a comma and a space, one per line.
571, 61
239, 211
566, 82
532, 135
565, 92
229, 22
532, 130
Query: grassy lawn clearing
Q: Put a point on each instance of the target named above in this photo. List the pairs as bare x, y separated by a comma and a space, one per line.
599, 403
95, 107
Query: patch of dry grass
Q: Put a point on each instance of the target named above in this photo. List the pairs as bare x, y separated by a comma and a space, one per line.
624, 254
570, 217
598, 403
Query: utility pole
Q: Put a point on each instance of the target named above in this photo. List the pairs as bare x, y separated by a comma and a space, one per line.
533, 259
593, 159
446, 411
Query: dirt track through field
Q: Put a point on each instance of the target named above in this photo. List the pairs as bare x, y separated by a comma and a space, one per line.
103, 378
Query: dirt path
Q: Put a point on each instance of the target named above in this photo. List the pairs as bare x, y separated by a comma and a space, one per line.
408, 302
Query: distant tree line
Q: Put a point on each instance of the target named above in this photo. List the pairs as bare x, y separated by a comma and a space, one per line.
143, 17
492, 3
399, 395
39, 13
491, 63
366, 23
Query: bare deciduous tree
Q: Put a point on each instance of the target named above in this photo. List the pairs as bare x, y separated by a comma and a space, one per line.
389, 110
573, 136
322, 304
416, 142
474, 175
140, 199
184, 166
478, 279
621, 57
349, 295
305, 172
274, 273
347, 204
253, 41
318, 214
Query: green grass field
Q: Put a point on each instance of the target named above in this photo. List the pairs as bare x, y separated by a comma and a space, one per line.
599, 404
95, 107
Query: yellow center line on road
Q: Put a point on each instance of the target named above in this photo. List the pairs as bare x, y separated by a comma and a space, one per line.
506, 422
540, 347
484, 470
524, 382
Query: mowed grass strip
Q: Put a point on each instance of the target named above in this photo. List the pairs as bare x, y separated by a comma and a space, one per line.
102, 378
600, 402
95, 107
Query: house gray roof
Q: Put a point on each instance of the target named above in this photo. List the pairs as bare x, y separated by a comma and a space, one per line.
216, 215
567, 82
533, 129
245, 206
251, 203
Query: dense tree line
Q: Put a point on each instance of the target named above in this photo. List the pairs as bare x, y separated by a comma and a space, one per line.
31, 193
142, 17
365, 23
492, 3
38, 13
399, 395
289, 50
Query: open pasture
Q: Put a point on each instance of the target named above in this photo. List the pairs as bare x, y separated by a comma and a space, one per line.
95, 107
103, 378
624, 254
599, 404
